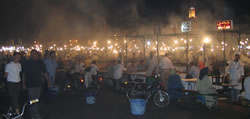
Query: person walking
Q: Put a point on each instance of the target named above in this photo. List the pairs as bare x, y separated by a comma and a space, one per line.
33, 71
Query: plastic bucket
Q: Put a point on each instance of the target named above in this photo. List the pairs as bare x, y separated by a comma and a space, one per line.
138, 106
90, 97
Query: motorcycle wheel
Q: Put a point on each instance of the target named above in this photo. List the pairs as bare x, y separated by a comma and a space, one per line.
161, 99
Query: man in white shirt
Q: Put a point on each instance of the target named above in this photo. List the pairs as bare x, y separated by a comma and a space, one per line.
236, 74
12, 73
118, 71
247, 87
90, 74
165, 66
94, 68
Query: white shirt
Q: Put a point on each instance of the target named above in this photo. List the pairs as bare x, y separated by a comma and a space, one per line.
79, 67
118, 70
194, 71
235, 71
13, 70
94, 69
247, 88
165, 63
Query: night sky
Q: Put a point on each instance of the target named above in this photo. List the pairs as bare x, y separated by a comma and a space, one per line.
31, 18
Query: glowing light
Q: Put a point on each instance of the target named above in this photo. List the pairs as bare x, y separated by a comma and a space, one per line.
206, 40
176, 41
185, 41
116, 44
190, 40
125, 41
201, 49
212, 50
222, 43
109, 42
248, 47
148, 43
65, 46
182, 39
115, 52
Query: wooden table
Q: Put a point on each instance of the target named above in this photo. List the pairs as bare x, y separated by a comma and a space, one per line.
193, 80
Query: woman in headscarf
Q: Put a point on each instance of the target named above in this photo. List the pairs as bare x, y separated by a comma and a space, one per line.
206, 89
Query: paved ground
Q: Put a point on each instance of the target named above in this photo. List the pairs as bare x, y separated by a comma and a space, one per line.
112, 105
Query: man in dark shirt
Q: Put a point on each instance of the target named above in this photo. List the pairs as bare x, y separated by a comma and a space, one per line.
33, 71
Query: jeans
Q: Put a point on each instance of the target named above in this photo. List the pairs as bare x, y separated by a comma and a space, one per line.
235, 95
34, 93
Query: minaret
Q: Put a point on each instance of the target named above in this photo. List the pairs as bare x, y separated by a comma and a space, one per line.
191, 13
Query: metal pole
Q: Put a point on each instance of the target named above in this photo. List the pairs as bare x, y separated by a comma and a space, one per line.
126, 50
239, 41
157, 39
224, 51
204, 49
187, 50
144, 47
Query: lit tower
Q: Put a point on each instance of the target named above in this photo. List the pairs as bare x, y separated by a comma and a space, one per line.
191, 13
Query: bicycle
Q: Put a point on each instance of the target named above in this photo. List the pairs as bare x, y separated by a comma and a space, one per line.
13, 115
154, 89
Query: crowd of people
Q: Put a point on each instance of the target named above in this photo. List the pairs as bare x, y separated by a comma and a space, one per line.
30, 74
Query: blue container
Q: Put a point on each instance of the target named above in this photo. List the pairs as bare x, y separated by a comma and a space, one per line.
138, 106
90, 97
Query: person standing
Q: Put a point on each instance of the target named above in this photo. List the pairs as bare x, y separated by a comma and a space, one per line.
236, 74
118, 71
33, 71
165, 66
12, 73
51, 65
194, 71
247, 89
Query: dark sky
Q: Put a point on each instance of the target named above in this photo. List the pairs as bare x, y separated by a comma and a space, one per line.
69, 18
